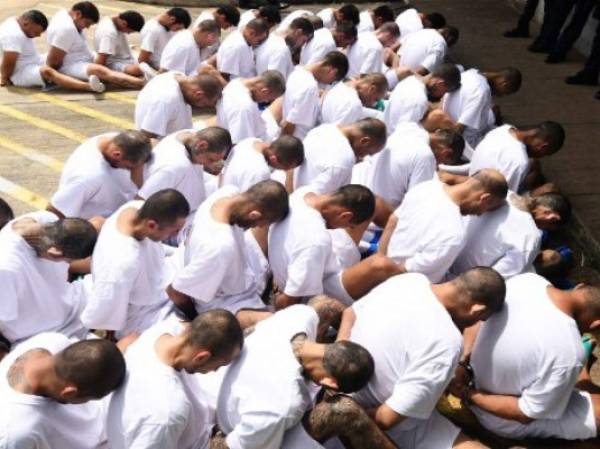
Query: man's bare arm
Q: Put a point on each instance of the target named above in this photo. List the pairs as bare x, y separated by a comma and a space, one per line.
55, 57
348, 319
145, 56
9, 61
451, 178
387, 233
506, 407
101, 59
287, 128
55, 211
282, 301
386, 418
183, 302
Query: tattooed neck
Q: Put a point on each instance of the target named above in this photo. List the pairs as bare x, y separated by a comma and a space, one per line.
16, 373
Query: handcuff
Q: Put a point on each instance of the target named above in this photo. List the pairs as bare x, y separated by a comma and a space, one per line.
470, 384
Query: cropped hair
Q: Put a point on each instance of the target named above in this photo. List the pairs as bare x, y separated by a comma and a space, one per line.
135, 21
95, 367
350, 364
181, 15
218, 331
87, 10
36, 17
164, 207
357, 199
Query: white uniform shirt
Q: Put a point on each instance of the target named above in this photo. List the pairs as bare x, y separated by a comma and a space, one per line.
430, 231
236, 57
63, 34
425, 48
532, 350
274, 54
316, 48
470, 105
328, 18
341, 105
154, 37
127, 281
416, 347
301, 101
110, 41
89, 186
36, 422
325, 171
157, 407
366, 22
212, 262
284, 26
365, 55
239, 113
406, 161
409, 21
506, 239
300, 250
501, 150
245, 166
408, 103
160, 108
13, 39
257, 406
36, 296
171, 168
182, 54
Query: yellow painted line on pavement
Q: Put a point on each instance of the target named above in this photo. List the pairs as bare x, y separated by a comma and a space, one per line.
120, 97
31, 154
84, 110
39, 122
22, 194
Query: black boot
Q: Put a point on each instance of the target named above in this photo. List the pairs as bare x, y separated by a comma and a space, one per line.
517, 32
582, 78
555, 58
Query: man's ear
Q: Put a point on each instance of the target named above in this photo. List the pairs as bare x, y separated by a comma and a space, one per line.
329, 382
347, 216
478, 310
69, 393
255, 214
54, 252
202, 357
202, 145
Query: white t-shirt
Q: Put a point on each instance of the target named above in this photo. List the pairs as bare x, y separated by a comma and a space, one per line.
13, 39
325, 171
316, 48
161, 108
154, 37
157, 407
530, 349
63, 35
470, 105
366, 22
212, 263
506, 239
171, 168
236, 57
284, 26
424, 48
430, 231
36, 296
245, 166
127, 281
256, 406
300, 249
328, 18
365, 55
501, 150
36, 422
182, 54
274, 54
408, 103
239, 113
108, 40
89, 186
409, 21
301, 101
416, 347
341, 105
406, 161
